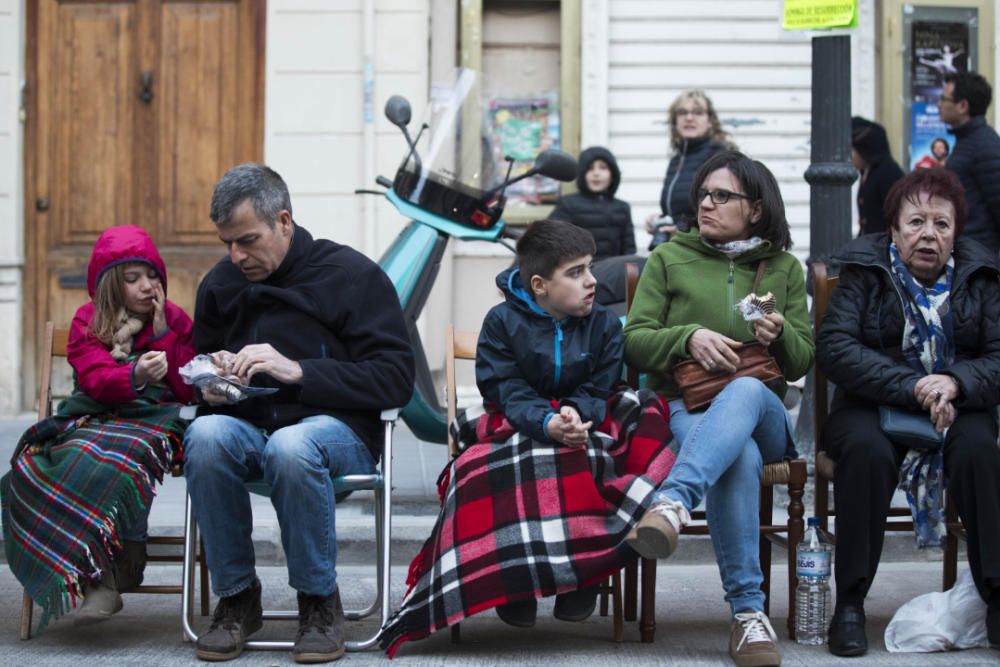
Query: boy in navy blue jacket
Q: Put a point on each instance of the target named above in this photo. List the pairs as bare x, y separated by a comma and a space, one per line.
547, 344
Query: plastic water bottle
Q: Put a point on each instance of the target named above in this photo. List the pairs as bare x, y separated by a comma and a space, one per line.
812, 597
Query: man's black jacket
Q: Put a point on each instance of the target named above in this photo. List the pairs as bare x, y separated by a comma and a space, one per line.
976, 160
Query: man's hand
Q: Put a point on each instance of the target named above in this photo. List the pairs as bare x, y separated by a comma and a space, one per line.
767, 329
150, 367
263, 358
567, 428
159, 314
714, 351
213, 397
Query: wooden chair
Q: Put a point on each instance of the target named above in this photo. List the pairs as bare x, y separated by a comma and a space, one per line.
899, 518
462, 345
787, 473
54, 343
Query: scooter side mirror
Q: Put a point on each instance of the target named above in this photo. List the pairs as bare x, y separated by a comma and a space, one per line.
397, 110
555, 164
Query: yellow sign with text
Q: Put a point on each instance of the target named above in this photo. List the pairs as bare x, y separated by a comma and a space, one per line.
820, 14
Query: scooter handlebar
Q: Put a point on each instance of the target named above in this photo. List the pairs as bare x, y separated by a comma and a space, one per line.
383, 181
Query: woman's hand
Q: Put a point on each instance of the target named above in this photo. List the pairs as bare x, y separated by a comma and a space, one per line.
943, 414
159, 314
651, 222
150, 367
767, 329
932, 389
714, 351
568, 428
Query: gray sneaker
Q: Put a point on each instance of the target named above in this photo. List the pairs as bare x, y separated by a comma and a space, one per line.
101, 601
321, 629
235, 618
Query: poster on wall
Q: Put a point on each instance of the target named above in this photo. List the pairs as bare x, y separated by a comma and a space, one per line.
939, 48
521, 128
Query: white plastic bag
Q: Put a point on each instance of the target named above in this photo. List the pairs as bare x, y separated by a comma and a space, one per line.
954, 619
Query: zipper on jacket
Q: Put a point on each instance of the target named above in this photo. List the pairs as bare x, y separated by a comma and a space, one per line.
559, 338
729, 295
673, 181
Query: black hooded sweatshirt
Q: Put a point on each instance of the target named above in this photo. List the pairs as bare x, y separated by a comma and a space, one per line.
872, 144
609, 220
328, 307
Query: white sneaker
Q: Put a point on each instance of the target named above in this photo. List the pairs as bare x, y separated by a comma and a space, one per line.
655, 536
753, 642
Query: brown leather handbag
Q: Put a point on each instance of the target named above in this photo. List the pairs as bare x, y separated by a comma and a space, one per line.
699, 387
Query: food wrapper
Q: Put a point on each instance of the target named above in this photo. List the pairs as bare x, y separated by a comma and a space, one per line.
753, 307
213, 373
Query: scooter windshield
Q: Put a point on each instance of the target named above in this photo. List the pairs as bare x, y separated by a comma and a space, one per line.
443, 174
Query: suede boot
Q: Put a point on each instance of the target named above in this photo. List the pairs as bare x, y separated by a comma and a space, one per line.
101, 601
130, 564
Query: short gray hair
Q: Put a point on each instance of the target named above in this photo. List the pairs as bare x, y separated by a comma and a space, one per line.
256, 182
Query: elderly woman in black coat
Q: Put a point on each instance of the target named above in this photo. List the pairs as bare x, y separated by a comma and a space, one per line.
914, 325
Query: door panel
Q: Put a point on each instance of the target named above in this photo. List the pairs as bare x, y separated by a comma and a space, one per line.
135, 109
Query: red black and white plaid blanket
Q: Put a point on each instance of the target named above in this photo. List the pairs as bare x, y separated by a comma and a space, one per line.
522, 519
75, 480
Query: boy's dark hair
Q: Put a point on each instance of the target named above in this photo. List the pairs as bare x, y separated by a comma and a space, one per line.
759, 184
548, 243
973, 88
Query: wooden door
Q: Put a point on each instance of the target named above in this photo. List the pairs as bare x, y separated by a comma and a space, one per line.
136, 107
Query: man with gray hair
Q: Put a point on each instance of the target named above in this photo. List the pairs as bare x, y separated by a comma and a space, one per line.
321, 324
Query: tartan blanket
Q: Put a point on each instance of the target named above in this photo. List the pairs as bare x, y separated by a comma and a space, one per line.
76, 479
522, 519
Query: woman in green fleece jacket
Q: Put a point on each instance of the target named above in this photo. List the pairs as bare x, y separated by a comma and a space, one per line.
685, 308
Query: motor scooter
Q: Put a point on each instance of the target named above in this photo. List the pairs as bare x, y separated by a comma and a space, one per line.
445, 196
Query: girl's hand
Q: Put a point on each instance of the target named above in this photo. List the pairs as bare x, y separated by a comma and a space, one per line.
714, 351
150, 367
159, 314
567, 428
767, 329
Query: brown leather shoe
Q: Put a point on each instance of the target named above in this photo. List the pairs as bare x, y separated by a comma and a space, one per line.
753, 642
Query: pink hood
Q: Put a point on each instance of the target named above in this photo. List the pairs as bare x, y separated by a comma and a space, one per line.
119, 245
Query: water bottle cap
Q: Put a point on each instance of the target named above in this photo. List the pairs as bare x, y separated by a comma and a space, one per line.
813, 521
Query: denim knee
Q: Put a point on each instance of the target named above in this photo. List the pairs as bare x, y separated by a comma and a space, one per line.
288, 451
745, 389
207, 443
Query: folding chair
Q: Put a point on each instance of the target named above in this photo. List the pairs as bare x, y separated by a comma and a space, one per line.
788, 473
462, 345
899, 518
53, 346
380, 483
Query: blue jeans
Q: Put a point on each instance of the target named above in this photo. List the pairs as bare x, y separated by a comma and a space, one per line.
299, 462
723, 450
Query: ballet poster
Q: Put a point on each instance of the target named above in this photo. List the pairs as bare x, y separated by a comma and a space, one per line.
939, 48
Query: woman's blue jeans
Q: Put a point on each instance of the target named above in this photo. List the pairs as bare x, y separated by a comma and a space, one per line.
299, 462
723, 450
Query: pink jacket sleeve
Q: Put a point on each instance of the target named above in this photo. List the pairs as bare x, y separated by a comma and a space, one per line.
178, 343
97, 373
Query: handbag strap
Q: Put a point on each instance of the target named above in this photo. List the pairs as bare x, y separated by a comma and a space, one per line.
760, 274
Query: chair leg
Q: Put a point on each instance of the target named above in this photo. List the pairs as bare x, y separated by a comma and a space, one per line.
647, 623
631, 590
456, 633
27, 605
766, 517
616, 597
796, 529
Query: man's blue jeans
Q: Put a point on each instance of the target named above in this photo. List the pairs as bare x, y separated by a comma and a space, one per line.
299, 462
723, 450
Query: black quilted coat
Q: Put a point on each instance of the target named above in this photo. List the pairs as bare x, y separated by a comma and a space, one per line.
976, 160
859, 346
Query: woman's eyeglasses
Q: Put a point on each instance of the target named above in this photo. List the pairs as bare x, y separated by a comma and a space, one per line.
719, 196
691, 112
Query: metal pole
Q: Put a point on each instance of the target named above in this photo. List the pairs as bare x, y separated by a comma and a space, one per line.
830, 177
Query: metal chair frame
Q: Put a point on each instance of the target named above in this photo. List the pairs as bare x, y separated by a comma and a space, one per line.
54, 344
381, 484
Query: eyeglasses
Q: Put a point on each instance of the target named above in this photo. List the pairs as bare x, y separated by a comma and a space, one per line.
719, 196
691, 112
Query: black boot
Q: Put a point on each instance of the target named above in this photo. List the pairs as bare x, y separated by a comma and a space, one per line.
321, 628
576, 606
236, 617
130, 565
519, 614
847, 631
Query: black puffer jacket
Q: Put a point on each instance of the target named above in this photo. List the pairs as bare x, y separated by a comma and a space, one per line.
525, 359
609, 220
859, 346
675, 198
976, 160
870, 141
